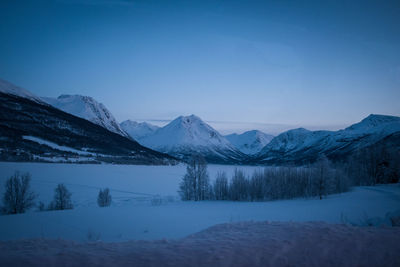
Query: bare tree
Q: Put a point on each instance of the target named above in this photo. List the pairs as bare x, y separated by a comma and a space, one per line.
238, 188
221, 186
62, 199
104, 198
18, 197
323, 176
195, 183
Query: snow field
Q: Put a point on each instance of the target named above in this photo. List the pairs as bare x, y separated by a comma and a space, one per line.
146, 207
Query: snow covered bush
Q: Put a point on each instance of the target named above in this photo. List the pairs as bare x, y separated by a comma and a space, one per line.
18, 197
104, 198
62, 199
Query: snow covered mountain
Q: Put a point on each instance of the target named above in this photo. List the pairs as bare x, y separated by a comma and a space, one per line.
86, 108
301, 145
138, 130
32, 130
250, 142
9, 88
189, 135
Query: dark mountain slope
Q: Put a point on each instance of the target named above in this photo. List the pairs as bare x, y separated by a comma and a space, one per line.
21, 117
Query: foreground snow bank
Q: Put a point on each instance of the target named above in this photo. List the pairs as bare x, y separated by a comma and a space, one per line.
236, 244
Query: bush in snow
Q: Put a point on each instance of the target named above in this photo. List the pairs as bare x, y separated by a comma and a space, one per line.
104, 198
195, 183
156, 201
18, 197
62, 198
41, 206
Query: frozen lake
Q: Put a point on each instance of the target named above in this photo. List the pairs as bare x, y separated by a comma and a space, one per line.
134, 215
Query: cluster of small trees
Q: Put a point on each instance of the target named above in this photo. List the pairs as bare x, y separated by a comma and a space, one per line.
319, 179
18, 196
195, 183
373, 165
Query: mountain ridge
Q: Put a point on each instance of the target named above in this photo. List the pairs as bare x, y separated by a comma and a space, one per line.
302, 146
188, 135
88, 108
250, 142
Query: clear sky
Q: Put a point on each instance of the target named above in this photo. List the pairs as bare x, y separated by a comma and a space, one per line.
318, 64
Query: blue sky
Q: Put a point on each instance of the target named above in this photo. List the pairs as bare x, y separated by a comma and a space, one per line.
236, 64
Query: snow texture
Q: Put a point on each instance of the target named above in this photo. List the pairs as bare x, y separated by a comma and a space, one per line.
86, 108
145, 204
231, 244
250, 142
138, 130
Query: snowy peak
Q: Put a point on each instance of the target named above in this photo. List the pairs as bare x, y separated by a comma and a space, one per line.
9, 88
250, 142
138, 130
87, 108
293, 139
188, 135
189, 130
300, 145
374, 121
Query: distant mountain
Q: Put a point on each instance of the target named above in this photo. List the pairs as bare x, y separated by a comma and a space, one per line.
189, 135
250, 142
138, 130
86, 108
302, 146
31, 130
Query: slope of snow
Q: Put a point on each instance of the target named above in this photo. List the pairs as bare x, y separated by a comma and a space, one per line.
367, 132
55, 146
295, 139
229, 244
138, 130
87, 108
250, 142
188, 135
9, 88
135, 215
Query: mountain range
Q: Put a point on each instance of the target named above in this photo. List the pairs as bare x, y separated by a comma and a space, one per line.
32, 130
302, 146
80, 128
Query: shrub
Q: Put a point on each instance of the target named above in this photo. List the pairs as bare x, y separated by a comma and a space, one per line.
18, 197
62, 199
104, 198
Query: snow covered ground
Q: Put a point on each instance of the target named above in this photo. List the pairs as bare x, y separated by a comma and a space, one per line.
146, 206
236, 244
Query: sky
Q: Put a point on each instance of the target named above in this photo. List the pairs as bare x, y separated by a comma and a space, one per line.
270, 65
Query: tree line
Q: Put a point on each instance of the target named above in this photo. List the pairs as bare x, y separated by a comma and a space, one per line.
367, 167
